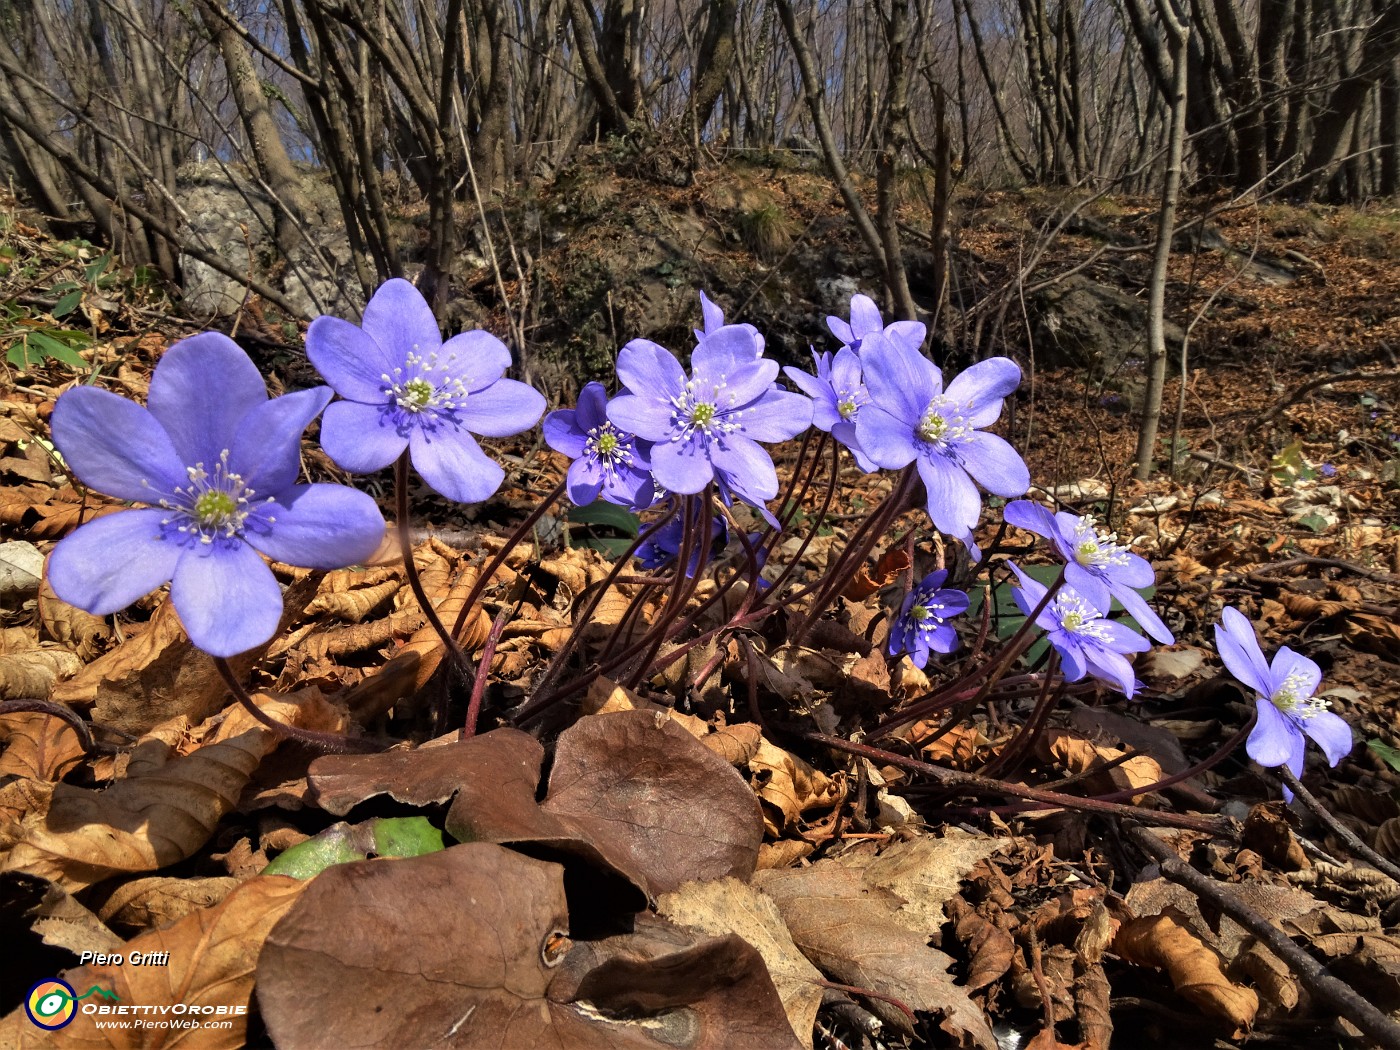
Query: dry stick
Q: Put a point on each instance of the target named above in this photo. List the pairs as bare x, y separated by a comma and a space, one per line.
1343, 832
973, 782
1314, 976
335, 742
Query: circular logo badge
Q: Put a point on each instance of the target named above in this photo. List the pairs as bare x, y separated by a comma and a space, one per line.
51, 1004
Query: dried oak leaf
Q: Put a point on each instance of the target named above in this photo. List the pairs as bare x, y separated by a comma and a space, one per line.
1373, 634
1166, 942
38, 746
459, 948
990, 948
849, 931
790, 786
73, 628
212, 954
1080, 756
727, 906
163, 811
160, 900
29, 902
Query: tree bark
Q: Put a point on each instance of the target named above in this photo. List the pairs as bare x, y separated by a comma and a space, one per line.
1178, 39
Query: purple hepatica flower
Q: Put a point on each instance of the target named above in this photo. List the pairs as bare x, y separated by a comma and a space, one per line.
1286, 705
1087, 643
911, 418
1327, 470
606, 461
707, 428
1096, 565
218, 460
837, 395
664, 547
921, 627
866, 320
404, 388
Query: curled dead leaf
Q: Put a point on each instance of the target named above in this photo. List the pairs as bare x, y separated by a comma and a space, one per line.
35, 673
163, 811
38, 745
1165, 942
73, 628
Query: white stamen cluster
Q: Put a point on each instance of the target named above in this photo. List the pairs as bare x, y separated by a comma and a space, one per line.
712, 416
922, 612
848, 403
213, 505
609, 446
1293, 698
1097, 550
944, 423
1078, 617
425, 384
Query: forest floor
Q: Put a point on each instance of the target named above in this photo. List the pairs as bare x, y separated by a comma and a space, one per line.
717, 875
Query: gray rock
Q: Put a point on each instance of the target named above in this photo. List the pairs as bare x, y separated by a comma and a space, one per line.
1083, 324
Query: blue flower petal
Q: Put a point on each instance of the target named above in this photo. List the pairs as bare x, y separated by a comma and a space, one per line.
1332, 734
320, 527
886, 440
994, 463
504, 408
266, 451
454, 465
115, 446
1238, 647
954, 504
983, 386
865, 317
359, 437
749, 467
1275, 738
900, 380
350, 360
682, 466
400, 320
563, 434
585, 481
200, 391
777, 416
646, 416
477, 358
227, 597
1136, 606
112, 561
1289, 664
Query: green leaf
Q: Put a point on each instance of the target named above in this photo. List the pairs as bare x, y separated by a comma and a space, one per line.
43, 345
601, 512
343, 843
1316, 522
67, 304
1389, 755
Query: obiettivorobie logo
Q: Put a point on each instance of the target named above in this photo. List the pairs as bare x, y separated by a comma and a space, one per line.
52, 1004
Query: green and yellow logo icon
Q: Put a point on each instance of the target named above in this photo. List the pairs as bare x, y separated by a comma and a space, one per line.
52, 1004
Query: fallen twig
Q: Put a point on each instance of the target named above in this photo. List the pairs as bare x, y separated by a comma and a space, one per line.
1357, 847
1314, 976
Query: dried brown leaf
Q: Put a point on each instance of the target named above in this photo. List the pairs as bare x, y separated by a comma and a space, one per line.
211, 957
35, 673
1078, 756
57, 918
158, 901
725, 906
990, 948
1373, 634
849, 931
1165, 942
163, 811
38, 745
790, 786
73, 628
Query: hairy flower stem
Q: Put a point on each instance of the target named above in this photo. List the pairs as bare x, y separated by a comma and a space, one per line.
972, 782
1016, 748
1359, 848
493, 566
775, 591
335, 742
545, 694
449, 641
855, 554
48, 707
488, 652
698, 518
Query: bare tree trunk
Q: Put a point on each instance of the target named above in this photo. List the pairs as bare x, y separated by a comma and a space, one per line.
715, 59
615, 120
1390, 129
264, 140
1178, 38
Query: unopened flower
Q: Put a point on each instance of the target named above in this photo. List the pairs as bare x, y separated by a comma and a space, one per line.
912, 418
837, 395
866, 320
606, 461
1287, 708
1096, 564
217, 462
1088, 643
706, 428
404, 388
921, 626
